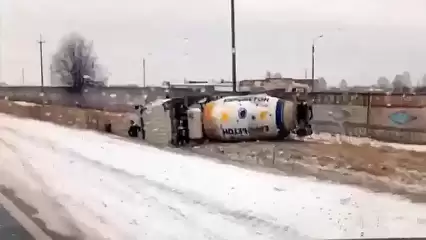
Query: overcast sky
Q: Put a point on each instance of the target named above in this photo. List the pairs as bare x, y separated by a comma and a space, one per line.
378, 37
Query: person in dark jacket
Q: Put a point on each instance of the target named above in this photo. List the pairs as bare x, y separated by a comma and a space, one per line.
140, 110
134, 129
181, 134
303, 117
302, 113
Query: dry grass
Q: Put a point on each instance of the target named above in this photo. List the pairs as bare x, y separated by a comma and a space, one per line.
379, 169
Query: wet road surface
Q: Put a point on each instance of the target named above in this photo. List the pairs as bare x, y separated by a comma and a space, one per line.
10, 228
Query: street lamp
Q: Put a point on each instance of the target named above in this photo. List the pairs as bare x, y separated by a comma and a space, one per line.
144, 70
185, 58
313, 51
234, 51
313, 55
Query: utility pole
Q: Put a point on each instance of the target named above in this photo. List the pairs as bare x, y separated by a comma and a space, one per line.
41, 42
313, 61
144, 72
234, 51
313, 55
23, 76
306, 73
186, 59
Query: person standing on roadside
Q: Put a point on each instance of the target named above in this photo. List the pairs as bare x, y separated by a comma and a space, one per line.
140, 109
134, 129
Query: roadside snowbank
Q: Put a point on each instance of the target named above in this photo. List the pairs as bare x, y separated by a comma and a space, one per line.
330, 139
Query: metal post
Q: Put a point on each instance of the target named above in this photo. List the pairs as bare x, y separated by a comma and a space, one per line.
185, 58
41, 42
144, 72
234, 51
313, 62
23, 76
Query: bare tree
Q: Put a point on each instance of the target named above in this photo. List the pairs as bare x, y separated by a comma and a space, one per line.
398, 84
383, 83
406, 79
320, 84
420, 89
277, 75
268, 74
421, 86
76, 64
343, 85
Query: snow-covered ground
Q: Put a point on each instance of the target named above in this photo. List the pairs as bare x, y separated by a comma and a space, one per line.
25, 104
126, 191
329, 138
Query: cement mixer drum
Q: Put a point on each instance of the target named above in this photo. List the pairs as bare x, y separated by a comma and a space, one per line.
249, 117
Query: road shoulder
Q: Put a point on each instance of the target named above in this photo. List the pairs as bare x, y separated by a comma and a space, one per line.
15, 224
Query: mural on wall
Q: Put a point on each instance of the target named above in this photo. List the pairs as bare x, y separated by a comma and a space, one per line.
401, 117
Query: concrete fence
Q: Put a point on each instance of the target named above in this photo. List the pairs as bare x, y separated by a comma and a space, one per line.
80, 118
393, 118
157, 123
113, 99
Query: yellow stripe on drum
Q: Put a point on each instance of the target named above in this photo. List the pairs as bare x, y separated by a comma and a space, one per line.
208, 111
224, 117
263, 115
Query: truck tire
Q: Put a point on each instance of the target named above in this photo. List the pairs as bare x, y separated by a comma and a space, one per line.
283, 134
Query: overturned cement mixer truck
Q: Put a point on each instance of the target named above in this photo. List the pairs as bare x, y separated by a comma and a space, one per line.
239, 118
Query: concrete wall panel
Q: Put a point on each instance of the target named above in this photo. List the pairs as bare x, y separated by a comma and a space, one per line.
158, 126
340, 119
399, 118
406, 101
340, 113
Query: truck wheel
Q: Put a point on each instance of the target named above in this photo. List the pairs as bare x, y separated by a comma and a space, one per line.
283, 134
174, 141
302, 132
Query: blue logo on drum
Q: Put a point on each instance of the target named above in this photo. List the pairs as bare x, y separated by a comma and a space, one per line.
401, 117
242, 113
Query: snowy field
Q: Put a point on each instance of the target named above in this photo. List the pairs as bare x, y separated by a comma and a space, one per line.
129, 191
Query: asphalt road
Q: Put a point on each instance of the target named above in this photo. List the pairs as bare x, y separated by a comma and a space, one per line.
10, 228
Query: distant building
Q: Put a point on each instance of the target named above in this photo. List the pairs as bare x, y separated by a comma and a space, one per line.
366, 89
203, 86
252, 85
273, 83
